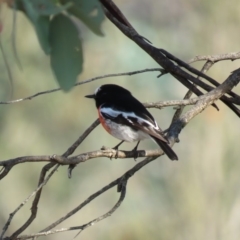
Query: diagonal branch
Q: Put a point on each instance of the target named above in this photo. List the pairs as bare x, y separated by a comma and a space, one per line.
184, 77
81, 138
121, 181
174, 131
64, 160
172, 65
188, 95
203, 103
83, 227
42, 181
199, 74
8, 164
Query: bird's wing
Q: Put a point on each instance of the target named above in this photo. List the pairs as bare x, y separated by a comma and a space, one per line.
142, 121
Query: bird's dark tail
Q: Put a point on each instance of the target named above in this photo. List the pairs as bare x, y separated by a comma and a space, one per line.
166, 148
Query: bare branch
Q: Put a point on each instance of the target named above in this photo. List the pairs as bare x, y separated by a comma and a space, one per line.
81, 138
5, 170
83, 157
199, 74
164, 59
207, 65
83, 204
216, 58
180, 108
8, 164
171, 103
82, 227
171, 64
188, 95
41, 184
120, 181
34, 207
111, 211
77, 143
203, 103
81, 83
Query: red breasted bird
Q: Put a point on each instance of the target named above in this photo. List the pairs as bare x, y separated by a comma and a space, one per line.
125, 118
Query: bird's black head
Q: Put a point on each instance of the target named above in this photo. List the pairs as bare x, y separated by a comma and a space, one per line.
108, 92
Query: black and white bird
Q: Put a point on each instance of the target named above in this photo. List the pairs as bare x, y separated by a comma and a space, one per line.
125, 118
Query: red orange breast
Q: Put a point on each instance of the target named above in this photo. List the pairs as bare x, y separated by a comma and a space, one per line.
103, 122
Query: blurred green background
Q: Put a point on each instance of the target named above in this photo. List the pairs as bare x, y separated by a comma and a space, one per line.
196, 198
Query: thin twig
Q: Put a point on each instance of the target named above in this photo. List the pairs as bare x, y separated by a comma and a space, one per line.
77, 143
179, 110
41, 180
166, 62
8, 164
175, 129
187, 79
82, 82
121, 180
83, 204
89, 224
34, 207
25, 201
216, 58
189, 93
110, 212
198, 73
171, 103
5, 170
81, 138
203, 103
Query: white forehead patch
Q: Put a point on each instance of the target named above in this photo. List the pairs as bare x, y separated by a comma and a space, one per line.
97, 90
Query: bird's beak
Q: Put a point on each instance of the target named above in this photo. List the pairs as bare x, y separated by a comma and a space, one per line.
90, 96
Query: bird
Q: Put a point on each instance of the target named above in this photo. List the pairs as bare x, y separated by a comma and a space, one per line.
126, 118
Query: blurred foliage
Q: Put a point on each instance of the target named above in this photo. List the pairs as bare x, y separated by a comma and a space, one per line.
196, 198
55, 25
65, 55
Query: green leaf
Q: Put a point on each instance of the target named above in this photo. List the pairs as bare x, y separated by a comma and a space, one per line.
66, 56
40, 23
89, 12
47, 7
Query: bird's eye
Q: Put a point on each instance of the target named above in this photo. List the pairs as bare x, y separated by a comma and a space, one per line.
102, 94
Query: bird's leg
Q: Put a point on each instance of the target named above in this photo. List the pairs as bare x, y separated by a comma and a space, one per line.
116, 148
135, 151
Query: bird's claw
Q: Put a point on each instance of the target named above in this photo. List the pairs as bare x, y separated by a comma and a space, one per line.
116, 154
135, 155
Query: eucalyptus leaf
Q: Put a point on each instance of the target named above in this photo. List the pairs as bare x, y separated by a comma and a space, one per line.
40, 23
66, 55
48, 7
90, 12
